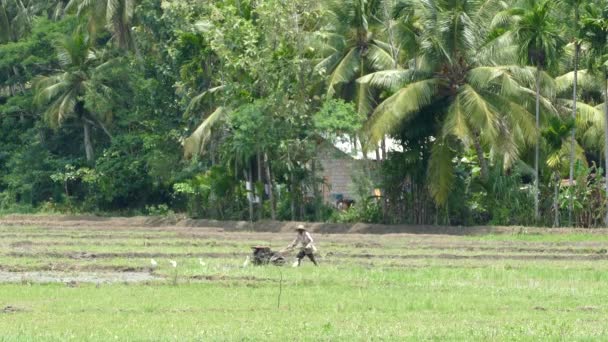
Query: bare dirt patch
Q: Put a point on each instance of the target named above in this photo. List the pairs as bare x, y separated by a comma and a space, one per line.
214, 278
112, 255
145, 243
10, 309
588, 308
75, 278
64, 267
473, 257
129, 223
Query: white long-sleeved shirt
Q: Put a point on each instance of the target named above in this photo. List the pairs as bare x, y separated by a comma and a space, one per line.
305, 241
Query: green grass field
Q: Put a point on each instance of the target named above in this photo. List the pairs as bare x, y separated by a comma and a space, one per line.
80, 283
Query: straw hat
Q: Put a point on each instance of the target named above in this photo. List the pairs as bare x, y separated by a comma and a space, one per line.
300, 227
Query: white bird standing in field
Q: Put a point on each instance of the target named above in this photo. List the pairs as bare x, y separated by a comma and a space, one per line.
246, 263
173, 263
153, 263
200, 261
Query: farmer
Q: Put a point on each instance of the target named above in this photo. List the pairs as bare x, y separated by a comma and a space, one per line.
307, 247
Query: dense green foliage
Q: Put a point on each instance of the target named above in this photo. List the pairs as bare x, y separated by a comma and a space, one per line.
219, 109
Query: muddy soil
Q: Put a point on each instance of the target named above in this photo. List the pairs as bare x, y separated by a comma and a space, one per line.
130, 223
544, 248
75, 278
44, 238
128, 255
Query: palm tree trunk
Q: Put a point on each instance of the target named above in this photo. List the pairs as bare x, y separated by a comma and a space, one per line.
250, 194
261, 182
302, 198
606, 139
88, 146
556, 200
537, 148
292, 193
273, 214
483, 163
574, 100
315, 188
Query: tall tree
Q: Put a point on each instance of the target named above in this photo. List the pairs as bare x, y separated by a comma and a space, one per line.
17, 16
353, 42
539, 43
116, 15
459, 67
555, 136
65, 91
595, 35
574, 6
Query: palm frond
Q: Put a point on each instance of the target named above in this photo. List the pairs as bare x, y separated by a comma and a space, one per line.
399, 107
197, 101
520, 119
389, 79
456, 121
197, 141
4, 25
365, 99
328, 63
585, 81
481, 112
379, 59
49, 87
587, 115
345, 71
556, 159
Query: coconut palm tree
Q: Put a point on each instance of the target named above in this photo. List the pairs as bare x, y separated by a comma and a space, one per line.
574, 6
5, 28
115, 15
595, 36
352, 40
17, 16
555, 136
539, 41
65, 91
471, 71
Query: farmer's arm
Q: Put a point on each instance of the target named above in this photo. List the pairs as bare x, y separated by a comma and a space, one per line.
310, 240
293, 244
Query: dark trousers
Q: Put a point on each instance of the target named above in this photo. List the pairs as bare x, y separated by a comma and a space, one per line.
309, 254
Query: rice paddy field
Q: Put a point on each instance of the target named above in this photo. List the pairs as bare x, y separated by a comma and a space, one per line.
94, 280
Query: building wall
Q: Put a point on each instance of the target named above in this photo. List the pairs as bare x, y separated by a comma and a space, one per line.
337, 169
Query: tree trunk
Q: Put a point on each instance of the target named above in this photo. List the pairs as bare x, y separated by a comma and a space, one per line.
483, 163
302, 198
261, 182
606, 139
574, 100
556, 200
292, 195
250, 193
273, 214
383, 191
236, 181
315, 188
88, 146
537, 149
